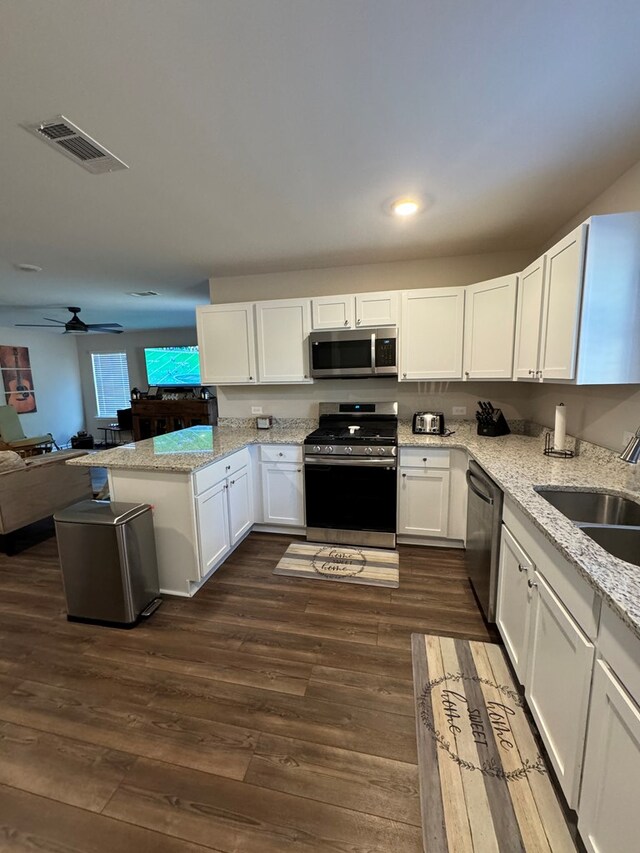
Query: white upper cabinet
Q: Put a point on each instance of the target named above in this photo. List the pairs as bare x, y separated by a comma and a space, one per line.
377, 309
333, 312
489, 326
561, 305
283, 349
528, 321
431, 334
363, 310
226, 341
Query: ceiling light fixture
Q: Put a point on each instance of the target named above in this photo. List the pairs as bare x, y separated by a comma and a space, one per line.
405, 207
28, 268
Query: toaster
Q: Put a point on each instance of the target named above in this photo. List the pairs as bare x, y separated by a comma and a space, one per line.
431, 423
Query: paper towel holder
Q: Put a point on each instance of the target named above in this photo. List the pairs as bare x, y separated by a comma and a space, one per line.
558, 454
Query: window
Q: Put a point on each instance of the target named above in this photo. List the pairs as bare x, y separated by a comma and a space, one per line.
111, 381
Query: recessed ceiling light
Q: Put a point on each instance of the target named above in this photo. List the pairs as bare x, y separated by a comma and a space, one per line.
28, 268
405, 207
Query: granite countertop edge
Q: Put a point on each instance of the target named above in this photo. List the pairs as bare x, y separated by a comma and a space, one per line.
516, 463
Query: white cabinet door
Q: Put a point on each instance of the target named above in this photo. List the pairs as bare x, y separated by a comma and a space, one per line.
226, 341
489, 328
283, 493
283, 347
333, 312
240, 504
431, 334
529, 320
557, 688
377, 309
212, 510
609, 817
561, 306
513, 607
423, 502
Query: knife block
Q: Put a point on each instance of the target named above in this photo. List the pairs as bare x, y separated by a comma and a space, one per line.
496, 426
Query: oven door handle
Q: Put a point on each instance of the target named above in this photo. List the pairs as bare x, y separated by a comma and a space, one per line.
353, 461
476, 491
373, 352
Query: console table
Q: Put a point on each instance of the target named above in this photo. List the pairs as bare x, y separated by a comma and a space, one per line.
156, 417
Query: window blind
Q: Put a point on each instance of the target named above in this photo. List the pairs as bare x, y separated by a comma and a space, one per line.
111, 382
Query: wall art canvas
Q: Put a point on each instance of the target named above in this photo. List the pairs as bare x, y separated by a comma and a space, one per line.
15, 366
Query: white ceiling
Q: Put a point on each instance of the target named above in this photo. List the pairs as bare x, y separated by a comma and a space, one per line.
267, 134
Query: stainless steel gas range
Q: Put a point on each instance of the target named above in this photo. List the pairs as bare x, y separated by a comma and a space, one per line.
350, 470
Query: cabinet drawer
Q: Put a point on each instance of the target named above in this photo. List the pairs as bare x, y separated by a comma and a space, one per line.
280, 453
620, 647
424, 457
212, 474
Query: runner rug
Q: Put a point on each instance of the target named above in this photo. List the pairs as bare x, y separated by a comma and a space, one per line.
484, 786
339, 563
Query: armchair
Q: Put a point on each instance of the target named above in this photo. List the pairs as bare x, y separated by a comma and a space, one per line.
12, 436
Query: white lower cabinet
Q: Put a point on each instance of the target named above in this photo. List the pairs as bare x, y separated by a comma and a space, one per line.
608, 816
224, 514
513, 610
282, 477
423, 502
240, 504
213, 526
557, 685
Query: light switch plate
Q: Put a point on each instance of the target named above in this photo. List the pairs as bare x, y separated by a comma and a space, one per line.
459, 410
256, 410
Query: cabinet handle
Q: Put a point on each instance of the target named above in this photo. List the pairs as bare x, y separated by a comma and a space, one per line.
280, 454
522, 568
404, 375
539, 373
299, 470
228, 468
532, 373
531, 584
231, 482
466, 373
346, 322
404, 475
424, 458
251, 379
358, 322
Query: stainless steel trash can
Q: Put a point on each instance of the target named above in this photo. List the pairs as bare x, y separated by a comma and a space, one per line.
108, 558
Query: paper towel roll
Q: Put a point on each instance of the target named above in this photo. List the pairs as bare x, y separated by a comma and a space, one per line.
560, 428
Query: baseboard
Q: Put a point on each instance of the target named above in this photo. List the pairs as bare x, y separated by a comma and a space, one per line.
426, 542
274, 528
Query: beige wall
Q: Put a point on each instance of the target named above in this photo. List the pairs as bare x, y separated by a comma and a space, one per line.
56, 381
301, 401
133, 344
400, 275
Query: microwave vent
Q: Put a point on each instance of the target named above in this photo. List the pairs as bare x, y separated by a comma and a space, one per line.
74, 143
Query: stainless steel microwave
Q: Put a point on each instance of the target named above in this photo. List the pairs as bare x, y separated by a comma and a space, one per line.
353, 354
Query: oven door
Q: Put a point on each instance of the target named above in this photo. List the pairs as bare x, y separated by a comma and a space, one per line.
342, 354
351, 501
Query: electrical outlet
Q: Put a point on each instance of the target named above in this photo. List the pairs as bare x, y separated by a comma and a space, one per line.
459, 410
256, 410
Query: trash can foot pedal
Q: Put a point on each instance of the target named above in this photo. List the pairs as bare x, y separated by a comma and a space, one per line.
151, 608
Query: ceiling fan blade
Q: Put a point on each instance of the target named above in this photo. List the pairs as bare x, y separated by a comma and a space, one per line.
51, 320
36, 325
103, 326
108, 331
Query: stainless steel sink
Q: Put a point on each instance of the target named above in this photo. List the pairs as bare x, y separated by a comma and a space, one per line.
594, 507
621, 542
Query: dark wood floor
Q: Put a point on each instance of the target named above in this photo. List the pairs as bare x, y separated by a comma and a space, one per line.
265, 715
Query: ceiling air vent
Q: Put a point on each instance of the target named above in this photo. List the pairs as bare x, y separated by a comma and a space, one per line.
144, 293
76, 145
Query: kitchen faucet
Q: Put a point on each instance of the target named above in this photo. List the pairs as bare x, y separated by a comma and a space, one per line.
631, 453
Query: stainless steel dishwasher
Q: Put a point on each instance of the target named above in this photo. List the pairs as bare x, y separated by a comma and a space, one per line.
484, 517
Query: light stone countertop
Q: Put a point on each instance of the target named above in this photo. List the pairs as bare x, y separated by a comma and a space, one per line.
515, 462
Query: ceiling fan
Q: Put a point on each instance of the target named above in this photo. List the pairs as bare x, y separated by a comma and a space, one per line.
75, 326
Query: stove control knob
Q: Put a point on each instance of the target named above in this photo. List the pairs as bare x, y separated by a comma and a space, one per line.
317, 448
329, 449
381, 451
348, 450
368, 451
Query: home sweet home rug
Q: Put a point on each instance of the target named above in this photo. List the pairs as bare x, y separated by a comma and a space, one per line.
484, 786
342, 564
